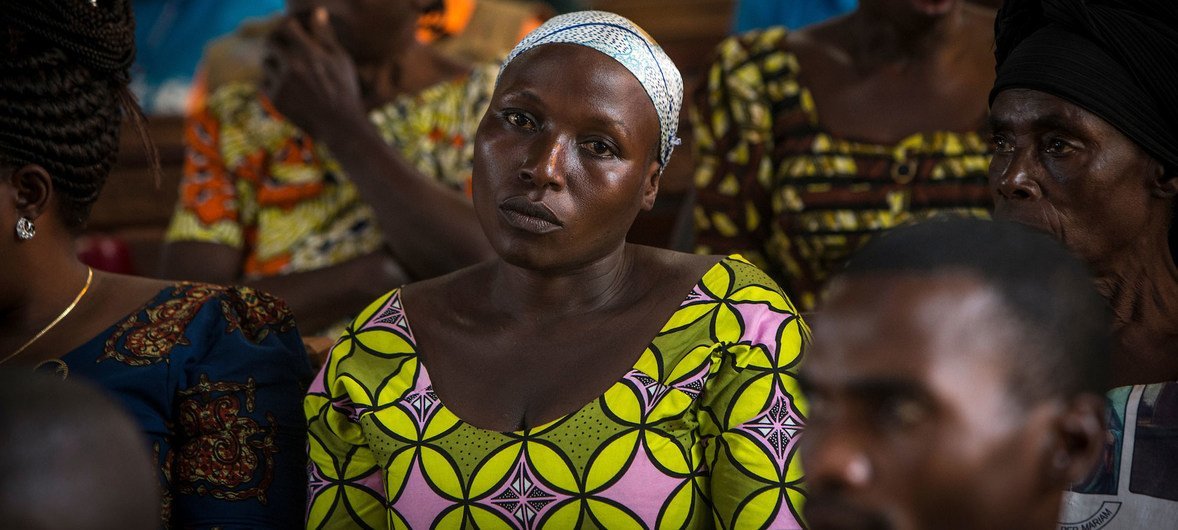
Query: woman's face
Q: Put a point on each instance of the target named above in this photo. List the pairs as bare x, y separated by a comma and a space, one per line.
565, 158
367, 29
1062, 169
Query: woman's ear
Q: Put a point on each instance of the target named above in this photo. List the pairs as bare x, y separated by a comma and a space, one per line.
32, 187
1165, 182
650, 187
1082, 434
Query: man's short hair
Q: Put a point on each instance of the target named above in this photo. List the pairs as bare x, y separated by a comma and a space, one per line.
1048, 292
70, 457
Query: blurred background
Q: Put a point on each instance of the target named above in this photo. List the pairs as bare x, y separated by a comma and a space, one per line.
188, 47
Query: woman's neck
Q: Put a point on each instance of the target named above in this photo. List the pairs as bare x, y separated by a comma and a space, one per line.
408, 71
874, 40
49, 279
547, 296
1142, 290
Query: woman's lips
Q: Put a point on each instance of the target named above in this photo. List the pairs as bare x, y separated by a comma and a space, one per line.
534, 217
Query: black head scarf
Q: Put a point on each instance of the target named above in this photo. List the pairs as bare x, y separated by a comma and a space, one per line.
1117, 59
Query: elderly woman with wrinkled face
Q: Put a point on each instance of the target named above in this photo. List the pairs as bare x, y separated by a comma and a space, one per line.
1086, 147
575, 379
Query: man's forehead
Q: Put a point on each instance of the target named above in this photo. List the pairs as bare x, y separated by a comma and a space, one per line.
902, 326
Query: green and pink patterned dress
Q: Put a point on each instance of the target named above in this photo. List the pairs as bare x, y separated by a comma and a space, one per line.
701, 433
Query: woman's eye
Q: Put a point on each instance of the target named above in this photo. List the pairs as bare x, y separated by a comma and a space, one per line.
1057, 146
518, 119
998, 144
599, 148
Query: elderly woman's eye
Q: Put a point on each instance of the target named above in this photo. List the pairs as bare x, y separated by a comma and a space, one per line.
998, 144
1057, 146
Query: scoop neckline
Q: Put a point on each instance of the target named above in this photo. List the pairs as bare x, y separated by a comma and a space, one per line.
423, 370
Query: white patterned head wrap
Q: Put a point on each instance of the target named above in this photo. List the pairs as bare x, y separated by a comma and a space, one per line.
625, 42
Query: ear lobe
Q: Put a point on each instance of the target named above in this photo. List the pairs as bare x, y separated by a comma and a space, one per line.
33, 187
1165, 184
1083, 436
650, 189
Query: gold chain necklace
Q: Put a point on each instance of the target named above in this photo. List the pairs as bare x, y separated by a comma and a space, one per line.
44, 330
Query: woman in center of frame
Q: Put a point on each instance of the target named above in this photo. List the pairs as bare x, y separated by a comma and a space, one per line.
575, 381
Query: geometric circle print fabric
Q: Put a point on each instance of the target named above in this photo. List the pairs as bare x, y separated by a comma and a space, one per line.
701, 432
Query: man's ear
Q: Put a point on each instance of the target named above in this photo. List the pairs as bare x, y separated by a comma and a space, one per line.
32, 188
650, 188
1082, 435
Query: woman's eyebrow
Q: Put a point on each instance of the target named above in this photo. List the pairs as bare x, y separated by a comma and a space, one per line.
523, 93
1051, 121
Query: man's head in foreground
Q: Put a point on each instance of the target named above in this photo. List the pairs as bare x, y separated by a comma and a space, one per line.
955, 381
71, 458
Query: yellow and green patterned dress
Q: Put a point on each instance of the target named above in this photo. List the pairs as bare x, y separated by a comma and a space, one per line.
255, 182
773, 185
701, 433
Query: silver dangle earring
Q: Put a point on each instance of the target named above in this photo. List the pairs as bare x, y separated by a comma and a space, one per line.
25, 228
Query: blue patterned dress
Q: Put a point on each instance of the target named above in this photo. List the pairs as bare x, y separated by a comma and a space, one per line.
215, 377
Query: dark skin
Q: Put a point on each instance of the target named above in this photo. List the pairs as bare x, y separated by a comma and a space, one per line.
913, 416
893, 68
1064, 170
42, 276
581, 144
326, 86
81, 448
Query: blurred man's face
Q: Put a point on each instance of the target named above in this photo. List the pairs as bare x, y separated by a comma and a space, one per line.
913, 424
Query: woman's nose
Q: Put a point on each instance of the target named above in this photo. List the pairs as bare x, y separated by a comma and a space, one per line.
544, 167
1017, 180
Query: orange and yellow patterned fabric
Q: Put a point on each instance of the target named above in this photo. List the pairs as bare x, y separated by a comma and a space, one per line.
253, 181
214, 377
701, 433
775, 186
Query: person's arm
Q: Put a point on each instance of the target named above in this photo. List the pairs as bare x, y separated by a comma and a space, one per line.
237, 455
733, 134
312, 81
752, 409
205, 240
318, 298
345, 485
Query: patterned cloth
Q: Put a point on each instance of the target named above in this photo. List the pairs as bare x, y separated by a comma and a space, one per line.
626, 43
775, 186
1136, 484
701, 432
254, 182
213, 375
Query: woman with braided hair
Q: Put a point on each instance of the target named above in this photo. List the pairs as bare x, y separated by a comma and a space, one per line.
212, 375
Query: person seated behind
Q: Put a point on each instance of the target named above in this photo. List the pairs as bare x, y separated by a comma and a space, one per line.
955, 381
811, 141
495, 396
1083, 116
213, 375
467, 30
71, 459
341, 175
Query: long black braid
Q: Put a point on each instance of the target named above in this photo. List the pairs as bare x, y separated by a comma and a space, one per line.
63, 93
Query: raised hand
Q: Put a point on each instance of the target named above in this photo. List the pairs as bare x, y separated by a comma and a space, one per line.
310, 78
